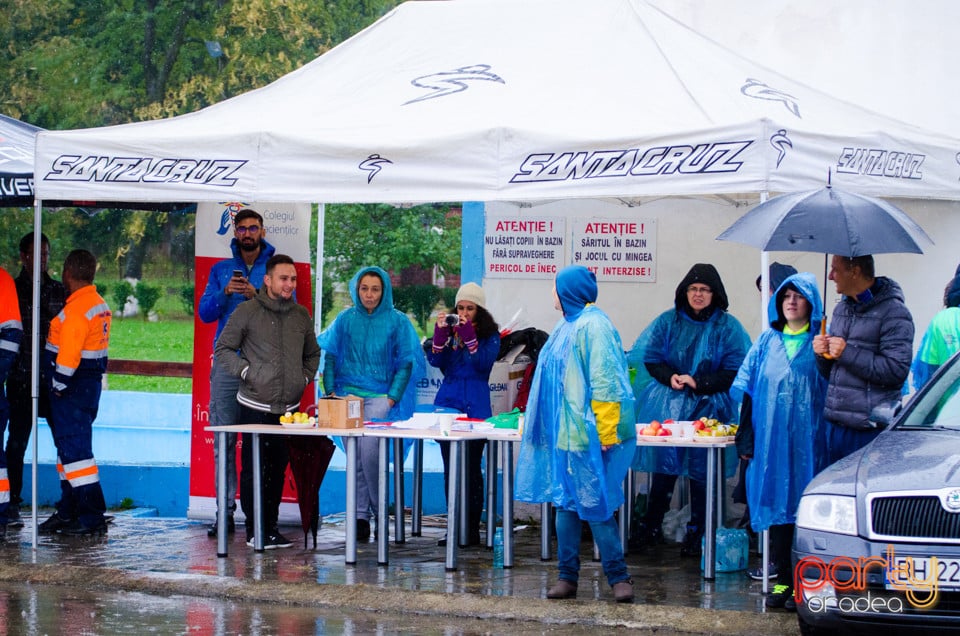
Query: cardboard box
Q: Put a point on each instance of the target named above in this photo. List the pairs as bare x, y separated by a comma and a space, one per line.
340, 412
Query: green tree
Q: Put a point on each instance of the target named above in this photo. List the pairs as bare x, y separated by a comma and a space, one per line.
390, 237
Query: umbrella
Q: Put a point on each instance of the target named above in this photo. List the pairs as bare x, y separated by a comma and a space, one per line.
831, 221
309, 458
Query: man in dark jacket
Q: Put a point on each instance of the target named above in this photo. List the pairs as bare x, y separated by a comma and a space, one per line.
866, 355
231, 282
52, 298
279, 356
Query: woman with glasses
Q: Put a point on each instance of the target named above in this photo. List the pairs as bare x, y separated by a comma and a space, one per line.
686, 361
465, 346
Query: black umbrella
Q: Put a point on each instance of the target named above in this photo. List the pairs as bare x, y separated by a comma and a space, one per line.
831, 221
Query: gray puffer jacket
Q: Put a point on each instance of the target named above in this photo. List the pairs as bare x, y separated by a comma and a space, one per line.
279, 354
876, 361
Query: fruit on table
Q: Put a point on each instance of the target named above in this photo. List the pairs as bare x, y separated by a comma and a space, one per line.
297, 418
711, 427
655, 429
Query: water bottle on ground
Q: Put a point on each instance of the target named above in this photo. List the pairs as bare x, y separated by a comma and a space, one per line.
498, 549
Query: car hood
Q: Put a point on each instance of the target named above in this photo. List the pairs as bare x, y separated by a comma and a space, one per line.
898, 459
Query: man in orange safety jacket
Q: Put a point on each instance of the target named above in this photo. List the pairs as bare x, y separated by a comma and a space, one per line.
76, 354
11, 332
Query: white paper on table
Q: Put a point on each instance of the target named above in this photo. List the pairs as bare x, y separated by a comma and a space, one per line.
422, 421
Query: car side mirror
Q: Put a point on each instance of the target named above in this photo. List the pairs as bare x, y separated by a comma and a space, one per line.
882, 415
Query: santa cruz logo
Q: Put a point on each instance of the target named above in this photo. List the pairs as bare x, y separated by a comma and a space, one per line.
780, 143
713, 157
373, 164
759, 90
881, 162
202, 172
455, 81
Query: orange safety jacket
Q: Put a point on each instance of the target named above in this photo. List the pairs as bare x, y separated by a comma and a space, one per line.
79, 337
11, 333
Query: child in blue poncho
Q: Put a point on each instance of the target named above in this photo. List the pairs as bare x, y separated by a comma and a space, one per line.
580, 433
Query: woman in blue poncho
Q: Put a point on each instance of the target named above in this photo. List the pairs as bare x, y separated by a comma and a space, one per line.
371, 350
691, 353
465, 352
781, 421
580, 433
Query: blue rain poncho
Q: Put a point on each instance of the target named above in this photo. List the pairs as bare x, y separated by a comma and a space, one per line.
561, 461
691, 347
787, 396
373, 354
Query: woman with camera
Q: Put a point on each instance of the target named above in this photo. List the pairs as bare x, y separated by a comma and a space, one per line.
465, 346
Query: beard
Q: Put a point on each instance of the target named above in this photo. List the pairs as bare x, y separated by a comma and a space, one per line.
249, 245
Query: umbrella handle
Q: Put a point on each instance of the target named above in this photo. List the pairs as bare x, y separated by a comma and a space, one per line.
823, 332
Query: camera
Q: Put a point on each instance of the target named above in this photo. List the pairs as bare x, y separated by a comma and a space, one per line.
451, 320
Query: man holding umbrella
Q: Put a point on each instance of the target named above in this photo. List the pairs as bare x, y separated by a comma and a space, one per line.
866, 354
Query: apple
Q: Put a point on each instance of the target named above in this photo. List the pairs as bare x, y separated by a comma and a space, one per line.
647, 430
668, 421
699, 425
663, 432
655, 425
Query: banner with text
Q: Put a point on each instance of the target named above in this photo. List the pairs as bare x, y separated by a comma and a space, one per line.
531, 247
616, 250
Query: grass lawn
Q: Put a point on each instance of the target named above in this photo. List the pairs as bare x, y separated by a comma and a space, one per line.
168, 340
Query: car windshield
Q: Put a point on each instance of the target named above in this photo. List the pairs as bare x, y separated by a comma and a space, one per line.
938, 406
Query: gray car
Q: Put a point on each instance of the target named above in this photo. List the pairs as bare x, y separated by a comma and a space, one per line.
877, 545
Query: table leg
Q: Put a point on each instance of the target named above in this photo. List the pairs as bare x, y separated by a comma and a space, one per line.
222, 496
452, 500
710, 535
546, 520
350, 443
507, 504
463, 506
383, 516
417, 497
399, 532
492, 447
257, 496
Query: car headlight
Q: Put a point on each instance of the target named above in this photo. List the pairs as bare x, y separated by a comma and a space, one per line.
831, 513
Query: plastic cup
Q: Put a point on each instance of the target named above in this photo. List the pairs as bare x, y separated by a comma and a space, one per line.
446, 422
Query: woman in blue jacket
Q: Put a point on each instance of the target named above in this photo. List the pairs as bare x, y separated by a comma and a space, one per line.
464, 350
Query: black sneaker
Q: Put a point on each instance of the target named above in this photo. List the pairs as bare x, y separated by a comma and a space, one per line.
757, 573
231, 527
363, 531
77, 529
14, 520
781, 597
275, 540
53, 524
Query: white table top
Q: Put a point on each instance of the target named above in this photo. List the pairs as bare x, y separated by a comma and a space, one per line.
274, 429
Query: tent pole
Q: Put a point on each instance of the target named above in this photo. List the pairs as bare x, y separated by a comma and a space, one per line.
35, 364
318, 283
764, 278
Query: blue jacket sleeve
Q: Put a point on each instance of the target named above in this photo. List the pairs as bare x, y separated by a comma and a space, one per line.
214, 298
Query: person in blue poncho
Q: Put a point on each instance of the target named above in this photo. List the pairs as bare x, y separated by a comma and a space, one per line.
580, 433
781, 419
942, 338
371, 350
690, 355
464, 349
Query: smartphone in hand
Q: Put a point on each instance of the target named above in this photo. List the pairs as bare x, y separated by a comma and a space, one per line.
238, 273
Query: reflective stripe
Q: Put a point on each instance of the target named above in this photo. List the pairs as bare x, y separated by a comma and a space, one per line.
61, 315
11, 324
58, 386
6, 345
4, 486
52, 347
82, 473
88, 354
96, 310
67, 371
60, 472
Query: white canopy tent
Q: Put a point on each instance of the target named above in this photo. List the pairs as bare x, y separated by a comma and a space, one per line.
506, 100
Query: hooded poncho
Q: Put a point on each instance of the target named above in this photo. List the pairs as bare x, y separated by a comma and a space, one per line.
582, 362
787, 395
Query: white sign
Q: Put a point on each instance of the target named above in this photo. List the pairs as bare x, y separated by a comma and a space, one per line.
616, 250
527, 247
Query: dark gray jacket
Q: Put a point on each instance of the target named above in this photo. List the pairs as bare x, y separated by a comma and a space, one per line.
279, 354
876, 361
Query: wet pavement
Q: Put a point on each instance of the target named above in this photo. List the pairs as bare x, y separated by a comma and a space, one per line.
162, 575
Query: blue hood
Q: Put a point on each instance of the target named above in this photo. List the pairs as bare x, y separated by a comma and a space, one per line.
806, 284
576, 287
386, 301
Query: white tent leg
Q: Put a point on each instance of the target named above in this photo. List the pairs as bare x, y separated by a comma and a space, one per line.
35, 365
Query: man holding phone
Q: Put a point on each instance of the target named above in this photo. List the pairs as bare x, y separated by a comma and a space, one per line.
232, 281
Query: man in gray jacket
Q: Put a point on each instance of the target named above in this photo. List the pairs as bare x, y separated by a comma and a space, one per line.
279, 356
865, 357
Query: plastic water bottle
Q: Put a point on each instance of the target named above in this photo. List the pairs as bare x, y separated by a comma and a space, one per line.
498, 549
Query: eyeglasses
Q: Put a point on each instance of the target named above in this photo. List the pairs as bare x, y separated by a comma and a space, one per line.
465, 308
699, 290
252, 229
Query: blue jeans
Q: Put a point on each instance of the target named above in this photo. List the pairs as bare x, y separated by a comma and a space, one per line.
223, 412
607, 536
368, 460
